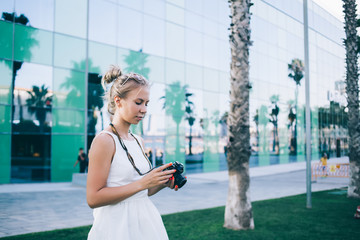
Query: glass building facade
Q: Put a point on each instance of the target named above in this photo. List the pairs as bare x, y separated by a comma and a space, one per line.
54, 52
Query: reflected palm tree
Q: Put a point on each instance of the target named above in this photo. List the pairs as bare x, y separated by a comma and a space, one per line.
136, 62
24, 48
274, 99
256, 120
39, 103
296, 68
174, 105
95, 92
189, 116
292, 126
263, 121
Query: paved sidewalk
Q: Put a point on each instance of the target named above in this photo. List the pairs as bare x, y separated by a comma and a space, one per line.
39, 207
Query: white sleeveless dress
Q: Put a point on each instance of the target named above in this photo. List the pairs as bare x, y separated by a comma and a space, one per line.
136, 217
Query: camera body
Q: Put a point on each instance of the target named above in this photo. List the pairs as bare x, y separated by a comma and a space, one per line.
179, 179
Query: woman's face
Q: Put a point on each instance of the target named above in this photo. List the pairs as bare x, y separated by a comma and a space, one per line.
133, 108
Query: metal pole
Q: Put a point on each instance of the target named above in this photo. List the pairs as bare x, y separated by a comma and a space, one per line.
307, 97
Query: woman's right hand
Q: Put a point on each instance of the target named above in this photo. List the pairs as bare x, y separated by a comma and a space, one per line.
157, 177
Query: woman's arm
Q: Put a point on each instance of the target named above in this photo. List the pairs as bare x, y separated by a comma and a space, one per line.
170, 183
97, 194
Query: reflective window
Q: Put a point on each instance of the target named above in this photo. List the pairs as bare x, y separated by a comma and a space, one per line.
130, 32
5, 81
33, 94
155, 8
193, 47
175, 42
210, 9
174, 72
194, 6
6, 31
96, 105
69, 52
134, 4
154, 36
156, 67
194, 76
69, 89
62, 162
102, 29
101, 56
193, 21
175, 14
30, 159
71, 17
33, 45
32, 122
40, 13
5, 122
211, 80
68, 121
210, 51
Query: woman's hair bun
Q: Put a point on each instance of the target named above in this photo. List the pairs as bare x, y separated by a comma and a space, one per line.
111, 75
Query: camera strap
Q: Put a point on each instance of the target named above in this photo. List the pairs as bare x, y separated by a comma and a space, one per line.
127, 152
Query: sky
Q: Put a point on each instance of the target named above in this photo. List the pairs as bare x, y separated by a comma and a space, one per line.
335, 7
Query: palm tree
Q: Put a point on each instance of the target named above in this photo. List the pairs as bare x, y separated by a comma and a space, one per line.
274, 120
39, 103
238, 210
352, 90
189, 116
296, 68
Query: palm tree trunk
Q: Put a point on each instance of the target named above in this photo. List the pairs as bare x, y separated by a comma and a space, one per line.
352, 90
238, 210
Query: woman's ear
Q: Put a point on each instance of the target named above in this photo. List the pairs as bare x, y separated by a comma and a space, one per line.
117, 101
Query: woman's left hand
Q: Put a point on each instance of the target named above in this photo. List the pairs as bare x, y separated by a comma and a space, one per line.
171, 184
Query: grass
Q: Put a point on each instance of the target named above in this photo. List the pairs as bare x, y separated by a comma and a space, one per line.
331, 217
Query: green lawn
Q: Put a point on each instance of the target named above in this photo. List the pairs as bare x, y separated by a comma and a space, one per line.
331, 217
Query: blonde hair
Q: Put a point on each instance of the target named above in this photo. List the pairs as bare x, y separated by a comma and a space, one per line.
122, 85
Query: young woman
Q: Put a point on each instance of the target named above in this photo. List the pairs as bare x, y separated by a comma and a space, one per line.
119, 179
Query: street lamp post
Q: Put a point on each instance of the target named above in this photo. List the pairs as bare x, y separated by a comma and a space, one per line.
307, 114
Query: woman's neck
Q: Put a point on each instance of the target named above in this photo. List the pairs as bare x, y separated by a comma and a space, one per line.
122, 129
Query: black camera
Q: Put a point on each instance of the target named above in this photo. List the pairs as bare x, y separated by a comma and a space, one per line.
179, 179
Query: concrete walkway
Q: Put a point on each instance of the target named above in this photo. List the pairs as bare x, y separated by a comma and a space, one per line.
26, 208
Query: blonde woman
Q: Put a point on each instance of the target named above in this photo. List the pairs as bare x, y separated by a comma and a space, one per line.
120, 178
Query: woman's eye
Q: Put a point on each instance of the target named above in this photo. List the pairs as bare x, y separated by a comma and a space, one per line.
138, 103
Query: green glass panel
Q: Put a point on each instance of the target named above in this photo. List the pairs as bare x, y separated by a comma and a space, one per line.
174, 72
175, 102
5, 81
71, 17
133, 61
284, 137
5, 159
264, 133
69, 89
64, 150
194, 76
211, 80
175, 149
68, 121
156, 67
211, 113
211, 154
5, 123
6, 33
33, 45
315, 134
69, 52
300, 131
224, 80
101, 56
